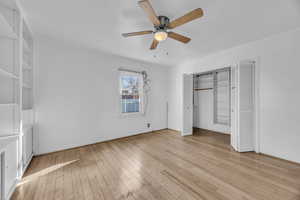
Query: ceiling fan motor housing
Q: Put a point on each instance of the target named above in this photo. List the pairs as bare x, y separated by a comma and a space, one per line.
164, 22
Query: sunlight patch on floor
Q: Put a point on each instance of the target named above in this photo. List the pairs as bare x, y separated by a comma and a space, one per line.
44, 172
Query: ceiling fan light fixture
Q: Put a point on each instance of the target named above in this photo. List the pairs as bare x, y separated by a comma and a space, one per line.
160, 35
162, 25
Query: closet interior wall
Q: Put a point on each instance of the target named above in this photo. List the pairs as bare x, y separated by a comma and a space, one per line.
211, 101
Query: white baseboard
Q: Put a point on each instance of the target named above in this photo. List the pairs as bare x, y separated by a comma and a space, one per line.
246, 149
26, 165
95, 141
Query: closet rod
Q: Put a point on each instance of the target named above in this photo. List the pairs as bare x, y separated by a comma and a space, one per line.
199, 89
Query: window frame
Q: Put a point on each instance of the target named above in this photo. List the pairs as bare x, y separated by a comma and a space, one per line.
140, 89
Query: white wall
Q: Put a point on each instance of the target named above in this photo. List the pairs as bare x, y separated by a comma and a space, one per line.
77, 96
279, 70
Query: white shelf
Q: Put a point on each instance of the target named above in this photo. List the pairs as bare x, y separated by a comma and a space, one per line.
26, 85
5, 29
5, 73
26, 64
7, 104
26, 67
8, 135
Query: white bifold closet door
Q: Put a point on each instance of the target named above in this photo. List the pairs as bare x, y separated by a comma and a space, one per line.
187, 101
242, 107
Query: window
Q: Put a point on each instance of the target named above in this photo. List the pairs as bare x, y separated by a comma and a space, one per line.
131, 92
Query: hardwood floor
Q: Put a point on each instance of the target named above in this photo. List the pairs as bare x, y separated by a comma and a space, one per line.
160, 165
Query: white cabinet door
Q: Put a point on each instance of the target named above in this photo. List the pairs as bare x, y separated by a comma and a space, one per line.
11, 167
187, 112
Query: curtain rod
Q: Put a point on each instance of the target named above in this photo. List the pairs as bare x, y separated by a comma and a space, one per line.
129, 70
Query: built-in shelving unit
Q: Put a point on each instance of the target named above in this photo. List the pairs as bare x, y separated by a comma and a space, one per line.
16, 93
10, 102
27, 72
9, 71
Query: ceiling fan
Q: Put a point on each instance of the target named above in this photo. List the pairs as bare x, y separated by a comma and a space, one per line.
162, 24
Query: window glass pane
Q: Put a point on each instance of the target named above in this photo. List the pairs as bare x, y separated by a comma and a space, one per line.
130, 97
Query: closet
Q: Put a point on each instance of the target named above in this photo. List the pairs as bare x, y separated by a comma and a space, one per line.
16, 95
211, 100
224, 101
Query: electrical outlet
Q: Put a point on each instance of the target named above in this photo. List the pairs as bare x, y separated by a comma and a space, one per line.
148, 125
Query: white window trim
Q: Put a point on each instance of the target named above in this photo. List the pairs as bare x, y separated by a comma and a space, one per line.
141, 94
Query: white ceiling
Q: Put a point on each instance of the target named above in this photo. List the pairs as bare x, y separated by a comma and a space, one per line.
99, 24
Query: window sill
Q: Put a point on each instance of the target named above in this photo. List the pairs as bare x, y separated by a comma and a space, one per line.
131, 115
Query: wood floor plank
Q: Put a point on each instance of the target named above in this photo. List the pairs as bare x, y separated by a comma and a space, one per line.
76, 176
259, 173
86, 163
152, 187
59, 177
151, 169
246, 181
160, 165
112, 177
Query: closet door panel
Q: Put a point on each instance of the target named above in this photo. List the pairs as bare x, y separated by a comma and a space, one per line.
11, 167
246, 107
234, 109
187, 112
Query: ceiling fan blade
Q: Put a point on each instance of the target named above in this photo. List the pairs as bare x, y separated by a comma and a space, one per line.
179, 37
197, 13
145, 4
154, 44
136, 33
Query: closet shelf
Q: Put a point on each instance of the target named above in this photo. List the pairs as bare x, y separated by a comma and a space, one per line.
9, 135
223, 81
8, 104
26, 67
199, 89
27, 110
26, 64
6, 29
26, 85
222, 86
8, 74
